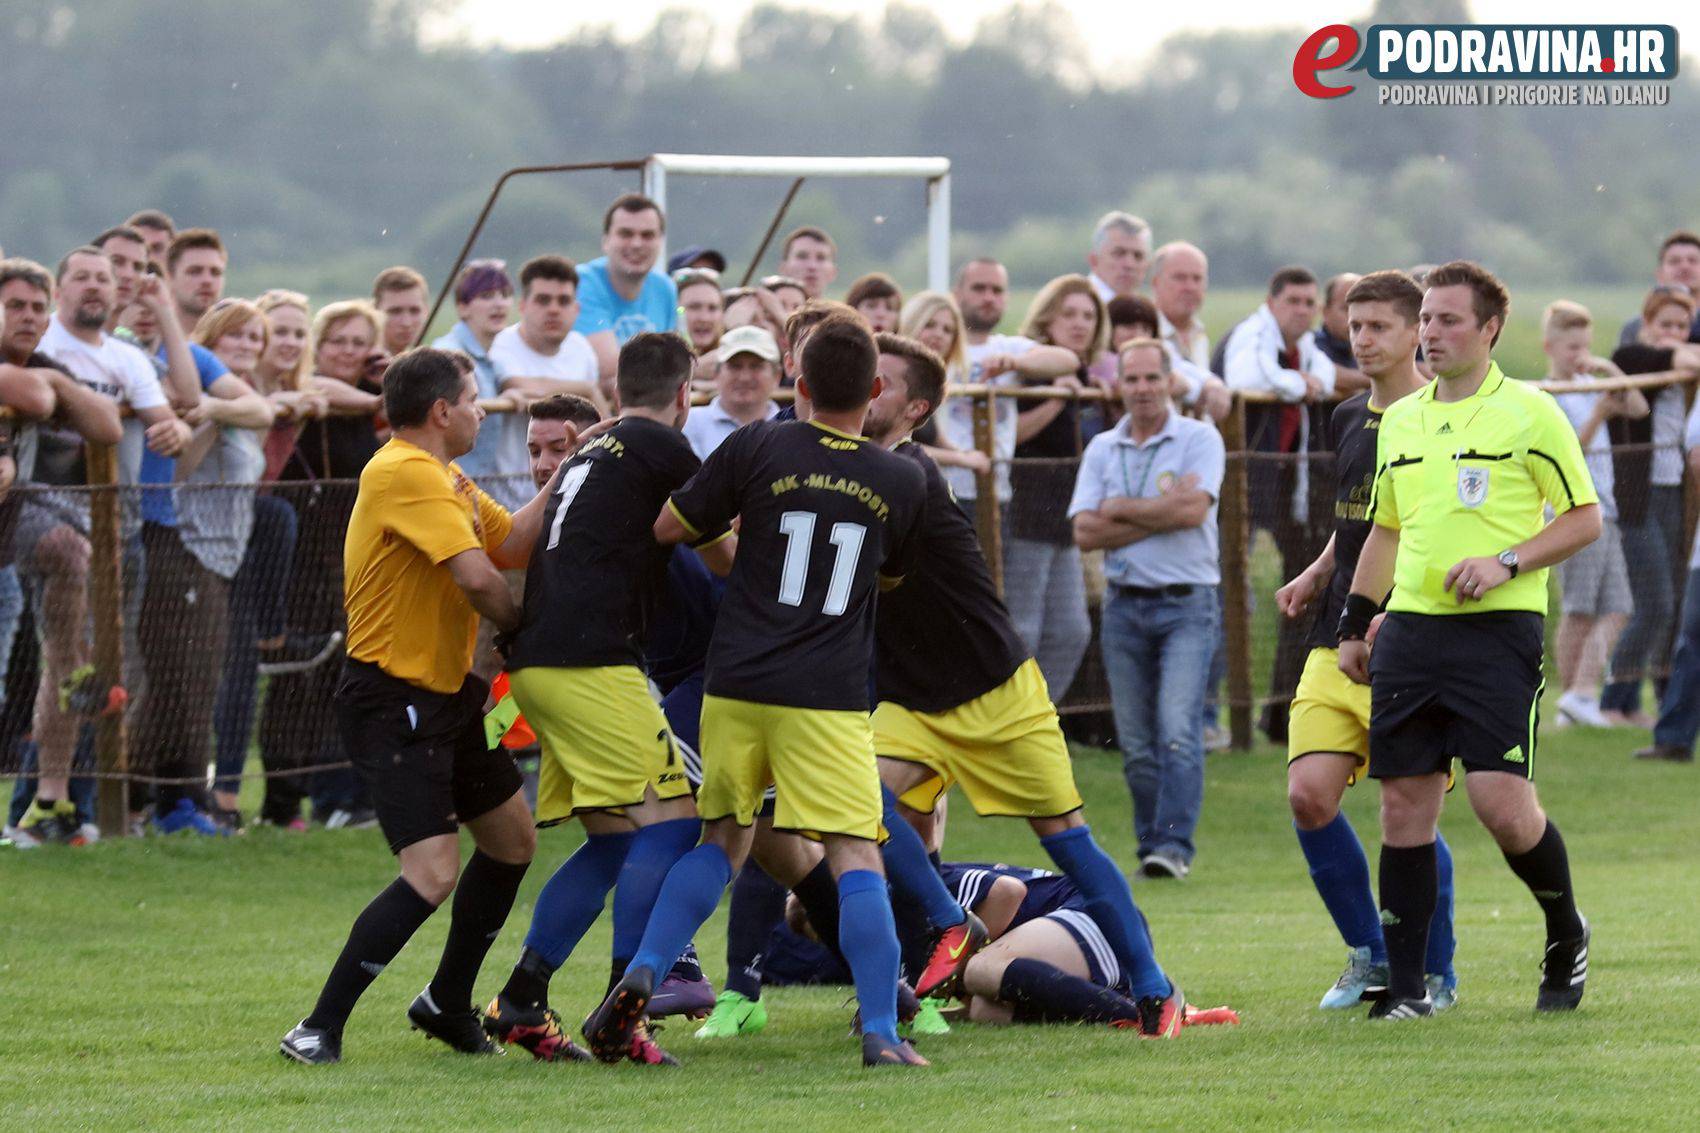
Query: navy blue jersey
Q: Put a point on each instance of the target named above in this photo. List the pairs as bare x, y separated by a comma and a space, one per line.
683, 622
1047, 892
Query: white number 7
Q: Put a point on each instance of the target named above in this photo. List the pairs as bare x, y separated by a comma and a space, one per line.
799, 529
571, 482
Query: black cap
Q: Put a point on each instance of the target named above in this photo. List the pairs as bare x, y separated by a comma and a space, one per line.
689, 256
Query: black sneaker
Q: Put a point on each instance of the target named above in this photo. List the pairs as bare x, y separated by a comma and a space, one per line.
1402, 1007
311, 1046
536, 1029
462, 1030
611, 1027
1564, 972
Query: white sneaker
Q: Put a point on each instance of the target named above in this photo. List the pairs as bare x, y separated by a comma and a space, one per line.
1584, 710
1217, 738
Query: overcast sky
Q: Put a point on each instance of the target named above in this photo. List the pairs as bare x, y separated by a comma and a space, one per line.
1116, 30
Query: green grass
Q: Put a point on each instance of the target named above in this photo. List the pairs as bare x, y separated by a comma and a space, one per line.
146, 983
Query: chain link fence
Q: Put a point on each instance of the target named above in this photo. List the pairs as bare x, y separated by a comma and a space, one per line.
150, 660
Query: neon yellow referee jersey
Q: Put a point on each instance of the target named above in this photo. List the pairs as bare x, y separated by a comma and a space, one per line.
1461, 479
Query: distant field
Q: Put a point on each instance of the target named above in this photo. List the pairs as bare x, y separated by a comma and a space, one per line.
145, 985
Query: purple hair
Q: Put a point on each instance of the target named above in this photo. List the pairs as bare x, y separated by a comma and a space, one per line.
481, 276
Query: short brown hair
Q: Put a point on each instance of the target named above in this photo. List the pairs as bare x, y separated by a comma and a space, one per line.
556, 269
188, 240
808, 232
397, 279
581, 411
79, 250
154, 219
1661, 297
119, 232
1132, 311
1290, 276
631, 202
874, 285
1563, 315
840, 360
28, 271
924, 371
1680, 236
1489, 298
1142, 344
1393, 287
815, 312
652, 367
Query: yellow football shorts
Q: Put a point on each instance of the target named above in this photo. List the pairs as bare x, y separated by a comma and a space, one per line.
820, 761
1330, 712
1006, 748
604, 739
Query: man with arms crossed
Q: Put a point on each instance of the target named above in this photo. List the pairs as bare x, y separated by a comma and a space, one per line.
1465, 469
1328, 739
422, 561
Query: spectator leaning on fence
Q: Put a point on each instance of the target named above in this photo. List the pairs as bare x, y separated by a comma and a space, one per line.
1180, 276
744, 385
703, 312
620, 293
1647, 464
933, 319
402, 298
1594, 581
1146, 495
51, 541
1272, 352
1679, 710
1046, 585
810, 257
484, 294
1119, 254
127, 251
982, 293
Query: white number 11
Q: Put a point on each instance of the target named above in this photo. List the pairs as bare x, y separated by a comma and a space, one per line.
799, 529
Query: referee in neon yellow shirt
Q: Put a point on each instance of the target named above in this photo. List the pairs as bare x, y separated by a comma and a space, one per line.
1465, 469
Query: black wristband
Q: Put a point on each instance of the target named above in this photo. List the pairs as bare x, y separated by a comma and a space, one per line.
1355, 618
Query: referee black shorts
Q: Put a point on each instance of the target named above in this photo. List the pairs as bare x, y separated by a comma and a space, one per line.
1464, 686
422, 754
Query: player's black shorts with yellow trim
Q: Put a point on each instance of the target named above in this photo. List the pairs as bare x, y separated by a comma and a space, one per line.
1464, 685
422, 754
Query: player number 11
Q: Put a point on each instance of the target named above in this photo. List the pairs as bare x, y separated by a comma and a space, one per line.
799, 529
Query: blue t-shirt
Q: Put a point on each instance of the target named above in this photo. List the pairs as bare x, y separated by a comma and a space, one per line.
157, 506
602, 308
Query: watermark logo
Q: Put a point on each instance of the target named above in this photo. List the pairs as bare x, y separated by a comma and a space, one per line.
1578, 64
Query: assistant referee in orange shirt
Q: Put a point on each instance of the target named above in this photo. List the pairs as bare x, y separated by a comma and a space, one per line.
422, 560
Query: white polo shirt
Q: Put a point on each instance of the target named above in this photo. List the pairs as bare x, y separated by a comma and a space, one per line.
709, 425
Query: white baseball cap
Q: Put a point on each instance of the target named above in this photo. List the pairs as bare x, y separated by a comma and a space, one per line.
749, 339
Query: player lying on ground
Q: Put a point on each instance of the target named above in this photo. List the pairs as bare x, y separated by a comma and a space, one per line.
1328, 737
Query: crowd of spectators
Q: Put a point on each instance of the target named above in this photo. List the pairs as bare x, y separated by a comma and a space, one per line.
241, 425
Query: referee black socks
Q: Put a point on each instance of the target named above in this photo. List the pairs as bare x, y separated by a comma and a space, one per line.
483, 899
1409, 889
1545, 869
379, 933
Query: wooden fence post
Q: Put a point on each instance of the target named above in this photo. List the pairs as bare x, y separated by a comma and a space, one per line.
1234, 517
106, 608
986, 515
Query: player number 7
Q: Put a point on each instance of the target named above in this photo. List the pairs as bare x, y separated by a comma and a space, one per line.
568, 488
799, 529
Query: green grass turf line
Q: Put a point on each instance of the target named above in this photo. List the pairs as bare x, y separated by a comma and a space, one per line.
146, 983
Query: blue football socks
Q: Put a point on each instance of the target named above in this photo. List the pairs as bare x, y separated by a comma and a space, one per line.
1340, 871
911, 872
1110, 902
868, 938
688, 897
653, 851
573, 897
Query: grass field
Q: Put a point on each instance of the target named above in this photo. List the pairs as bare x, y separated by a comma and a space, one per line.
145, 984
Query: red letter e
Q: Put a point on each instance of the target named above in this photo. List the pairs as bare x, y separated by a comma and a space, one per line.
1310, 60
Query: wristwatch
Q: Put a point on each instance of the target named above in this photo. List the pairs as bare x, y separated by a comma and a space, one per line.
1508, 560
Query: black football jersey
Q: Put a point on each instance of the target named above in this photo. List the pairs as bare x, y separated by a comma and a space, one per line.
823, 515
943, 636
596, 570
1352, 435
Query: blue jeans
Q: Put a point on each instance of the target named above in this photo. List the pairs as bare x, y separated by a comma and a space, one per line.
258, 596
1157, 656
1679, 712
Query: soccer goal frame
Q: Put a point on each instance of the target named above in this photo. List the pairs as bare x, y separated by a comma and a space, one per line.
655, 170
